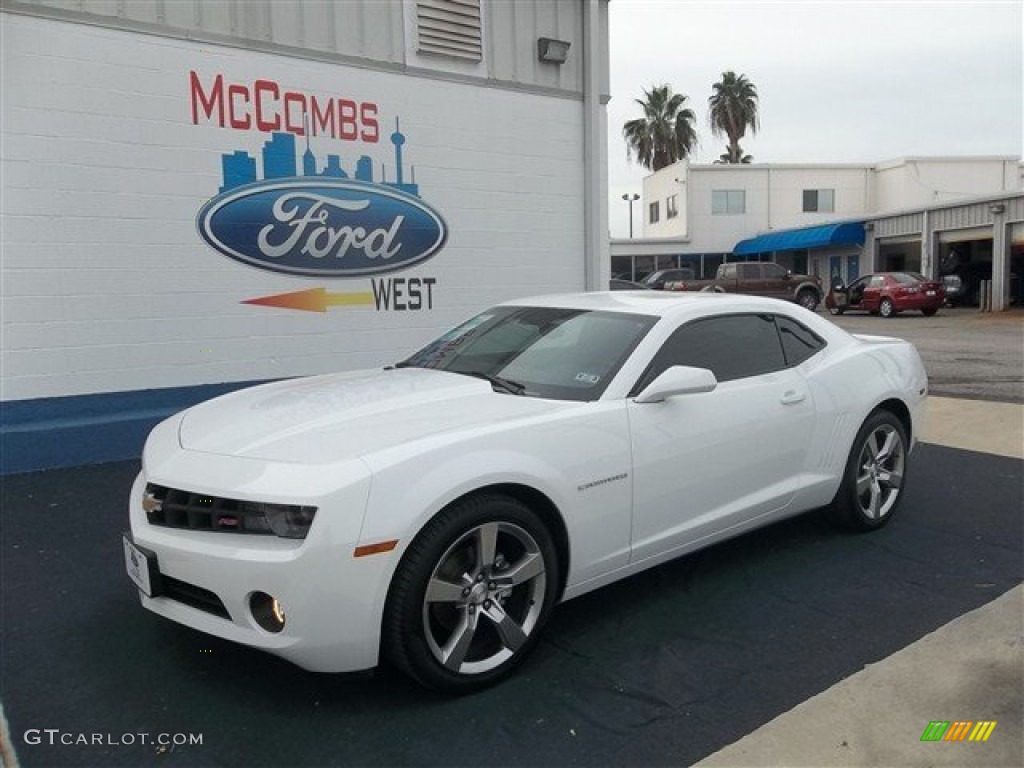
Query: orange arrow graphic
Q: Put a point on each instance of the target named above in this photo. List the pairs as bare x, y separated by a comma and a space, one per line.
313, 300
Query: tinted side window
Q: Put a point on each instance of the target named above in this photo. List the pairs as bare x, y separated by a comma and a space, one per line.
798, 342
750, 271
732, 347
773, 271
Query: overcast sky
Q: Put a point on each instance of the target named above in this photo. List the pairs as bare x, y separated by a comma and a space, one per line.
854, 81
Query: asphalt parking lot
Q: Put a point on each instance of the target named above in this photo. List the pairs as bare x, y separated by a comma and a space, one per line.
662, 669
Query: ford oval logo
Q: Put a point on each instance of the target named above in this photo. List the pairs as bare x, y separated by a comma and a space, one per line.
322, 227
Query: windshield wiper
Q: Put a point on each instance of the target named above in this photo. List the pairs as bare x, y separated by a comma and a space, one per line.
505, 385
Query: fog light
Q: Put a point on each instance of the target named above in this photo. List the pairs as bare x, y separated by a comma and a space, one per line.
267, 611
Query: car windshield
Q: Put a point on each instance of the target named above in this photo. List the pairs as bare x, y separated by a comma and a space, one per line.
908, 277
563, 354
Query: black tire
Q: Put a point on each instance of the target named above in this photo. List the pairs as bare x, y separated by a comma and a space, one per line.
875, 475
929, 312
807, 298
886, 308
481, 624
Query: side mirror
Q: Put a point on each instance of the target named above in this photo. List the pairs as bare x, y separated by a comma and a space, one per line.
678, 380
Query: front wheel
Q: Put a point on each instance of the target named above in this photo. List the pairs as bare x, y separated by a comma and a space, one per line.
887, 308
873, 480
807, 299
471, 594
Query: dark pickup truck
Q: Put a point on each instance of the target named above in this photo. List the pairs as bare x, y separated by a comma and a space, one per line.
758, 278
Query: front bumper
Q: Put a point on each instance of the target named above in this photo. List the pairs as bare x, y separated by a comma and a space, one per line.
332, 601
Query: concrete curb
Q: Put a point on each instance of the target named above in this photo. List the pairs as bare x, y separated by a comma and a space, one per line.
8, 757
975, 425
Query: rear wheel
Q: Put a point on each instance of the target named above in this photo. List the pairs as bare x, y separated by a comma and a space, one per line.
471, 595
886, 308
807, 299
873, 480
929, 312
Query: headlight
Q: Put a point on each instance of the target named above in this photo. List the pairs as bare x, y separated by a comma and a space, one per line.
289, 522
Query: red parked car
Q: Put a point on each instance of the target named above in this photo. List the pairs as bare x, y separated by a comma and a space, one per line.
886, 293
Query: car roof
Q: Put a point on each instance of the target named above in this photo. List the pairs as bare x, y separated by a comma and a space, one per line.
657, 303
681, 307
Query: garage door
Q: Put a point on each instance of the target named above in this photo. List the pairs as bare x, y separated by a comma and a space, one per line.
898, 239
962, 235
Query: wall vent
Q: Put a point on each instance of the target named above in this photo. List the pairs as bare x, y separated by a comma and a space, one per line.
449, 28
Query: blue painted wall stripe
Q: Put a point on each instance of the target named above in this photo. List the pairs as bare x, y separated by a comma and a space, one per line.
53, 432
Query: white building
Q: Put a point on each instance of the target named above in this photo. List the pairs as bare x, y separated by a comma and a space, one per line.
197, 194
701, 215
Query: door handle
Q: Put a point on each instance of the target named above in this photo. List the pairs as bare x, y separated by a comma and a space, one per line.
792, 397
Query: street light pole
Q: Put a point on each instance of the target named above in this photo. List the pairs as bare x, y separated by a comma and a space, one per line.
630, 199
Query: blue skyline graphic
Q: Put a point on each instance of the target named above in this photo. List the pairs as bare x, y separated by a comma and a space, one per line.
281, 161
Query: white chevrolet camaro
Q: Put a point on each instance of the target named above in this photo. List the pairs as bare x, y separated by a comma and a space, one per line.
432, 513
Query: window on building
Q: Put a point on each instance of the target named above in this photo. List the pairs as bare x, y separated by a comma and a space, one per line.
819, 201
672, 207
654, 212
449, 28
728, 201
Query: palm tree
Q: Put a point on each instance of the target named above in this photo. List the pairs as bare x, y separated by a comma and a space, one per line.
732, 109
736, 157
665, 133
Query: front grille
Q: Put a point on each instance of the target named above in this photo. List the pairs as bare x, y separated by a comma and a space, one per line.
193, 596
174, 508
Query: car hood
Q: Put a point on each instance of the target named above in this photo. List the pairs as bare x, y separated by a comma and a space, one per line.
325, 419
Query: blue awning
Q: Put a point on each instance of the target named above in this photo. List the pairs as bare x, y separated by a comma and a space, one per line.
848, 233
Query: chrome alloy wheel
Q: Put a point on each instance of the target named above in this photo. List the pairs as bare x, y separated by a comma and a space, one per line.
880, 469
484, 598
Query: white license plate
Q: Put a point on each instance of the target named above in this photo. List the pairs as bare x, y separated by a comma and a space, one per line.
140, 564
929, 293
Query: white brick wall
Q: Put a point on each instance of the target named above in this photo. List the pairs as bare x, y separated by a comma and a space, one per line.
106, 284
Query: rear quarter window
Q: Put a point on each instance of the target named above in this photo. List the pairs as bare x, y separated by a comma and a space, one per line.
799, 343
